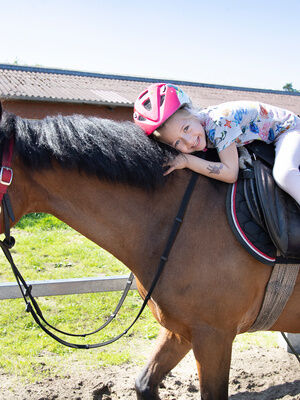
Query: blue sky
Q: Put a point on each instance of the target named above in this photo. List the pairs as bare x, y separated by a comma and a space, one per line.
252, 43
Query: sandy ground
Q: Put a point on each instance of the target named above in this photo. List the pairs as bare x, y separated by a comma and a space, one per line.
256, 374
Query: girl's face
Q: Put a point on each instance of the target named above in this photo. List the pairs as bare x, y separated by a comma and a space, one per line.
184, 132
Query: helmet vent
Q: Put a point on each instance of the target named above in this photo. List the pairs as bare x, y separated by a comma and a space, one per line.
147, 105
162, 99
140, 118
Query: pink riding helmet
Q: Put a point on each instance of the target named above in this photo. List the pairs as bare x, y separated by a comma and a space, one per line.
156, 104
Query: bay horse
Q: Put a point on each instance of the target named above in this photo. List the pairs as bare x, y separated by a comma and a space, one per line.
105, 179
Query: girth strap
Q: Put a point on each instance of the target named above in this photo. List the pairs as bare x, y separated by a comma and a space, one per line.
278, 291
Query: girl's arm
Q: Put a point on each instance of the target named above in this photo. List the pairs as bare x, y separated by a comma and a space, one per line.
226, 170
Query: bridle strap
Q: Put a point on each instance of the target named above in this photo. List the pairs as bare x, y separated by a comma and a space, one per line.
33, 308
6, 173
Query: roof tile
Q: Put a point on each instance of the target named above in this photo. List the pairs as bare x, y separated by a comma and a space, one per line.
74, 86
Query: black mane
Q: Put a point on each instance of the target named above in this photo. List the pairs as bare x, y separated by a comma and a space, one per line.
114, 151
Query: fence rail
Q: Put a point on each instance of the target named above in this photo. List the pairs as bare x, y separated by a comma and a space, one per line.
55, 287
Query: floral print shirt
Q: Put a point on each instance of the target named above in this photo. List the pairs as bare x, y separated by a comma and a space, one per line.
244, 121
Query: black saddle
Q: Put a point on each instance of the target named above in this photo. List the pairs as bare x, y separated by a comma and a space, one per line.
264, 217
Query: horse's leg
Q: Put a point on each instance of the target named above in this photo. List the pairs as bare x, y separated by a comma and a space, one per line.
170, 349
212, 350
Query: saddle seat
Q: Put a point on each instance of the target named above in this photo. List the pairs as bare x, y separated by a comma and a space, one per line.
264, 218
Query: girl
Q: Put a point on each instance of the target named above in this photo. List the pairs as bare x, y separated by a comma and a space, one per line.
165, 112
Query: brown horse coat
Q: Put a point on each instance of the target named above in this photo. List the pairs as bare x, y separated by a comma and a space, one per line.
211, 288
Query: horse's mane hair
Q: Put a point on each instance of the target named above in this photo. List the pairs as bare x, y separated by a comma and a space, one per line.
114, 151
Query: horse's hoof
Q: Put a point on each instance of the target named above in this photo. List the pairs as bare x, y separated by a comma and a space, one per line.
145, 393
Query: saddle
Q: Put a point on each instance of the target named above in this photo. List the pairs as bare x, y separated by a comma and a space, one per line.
264, 218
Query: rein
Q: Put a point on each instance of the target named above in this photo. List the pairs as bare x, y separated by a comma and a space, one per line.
32, 306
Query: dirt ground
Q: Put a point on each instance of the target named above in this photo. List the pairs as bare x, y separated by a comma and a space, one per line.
256, 374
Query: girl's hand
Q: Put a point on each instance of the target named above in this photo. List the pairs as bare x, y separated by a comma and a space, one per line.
179, 162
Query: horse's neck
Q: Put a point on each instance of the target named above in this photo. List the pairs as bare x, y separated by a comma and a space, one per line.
130, 223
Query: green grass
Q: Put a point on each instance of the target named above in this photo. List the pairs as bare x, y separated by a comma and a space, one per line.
262, 339
40, 221
46, 248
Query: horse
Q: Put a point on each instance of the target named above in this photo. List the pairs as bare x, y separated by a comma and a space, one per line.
105, 179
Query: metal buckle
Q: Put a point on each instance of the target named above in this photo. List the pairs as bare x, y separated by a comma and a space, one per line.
1, 175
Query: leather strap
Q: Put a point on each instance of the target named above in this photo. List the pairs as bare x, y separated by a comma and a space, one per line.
6, 173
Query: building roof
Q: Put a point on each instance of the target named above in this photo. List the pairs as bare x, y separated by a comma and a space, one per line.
56, 85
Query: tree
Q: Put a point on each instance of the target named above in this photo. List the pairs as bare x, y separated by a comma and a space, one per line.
289, 87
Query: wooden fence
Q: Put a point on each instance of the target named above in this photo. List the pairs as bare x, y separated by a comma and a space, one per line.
55, 287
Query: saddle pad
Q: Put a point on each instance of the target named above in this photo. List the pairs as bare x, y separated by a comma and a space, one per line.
251, 236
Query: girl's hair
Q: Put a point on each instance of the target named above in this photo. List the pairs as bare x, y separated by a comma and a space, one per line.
192, 110
188, 107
